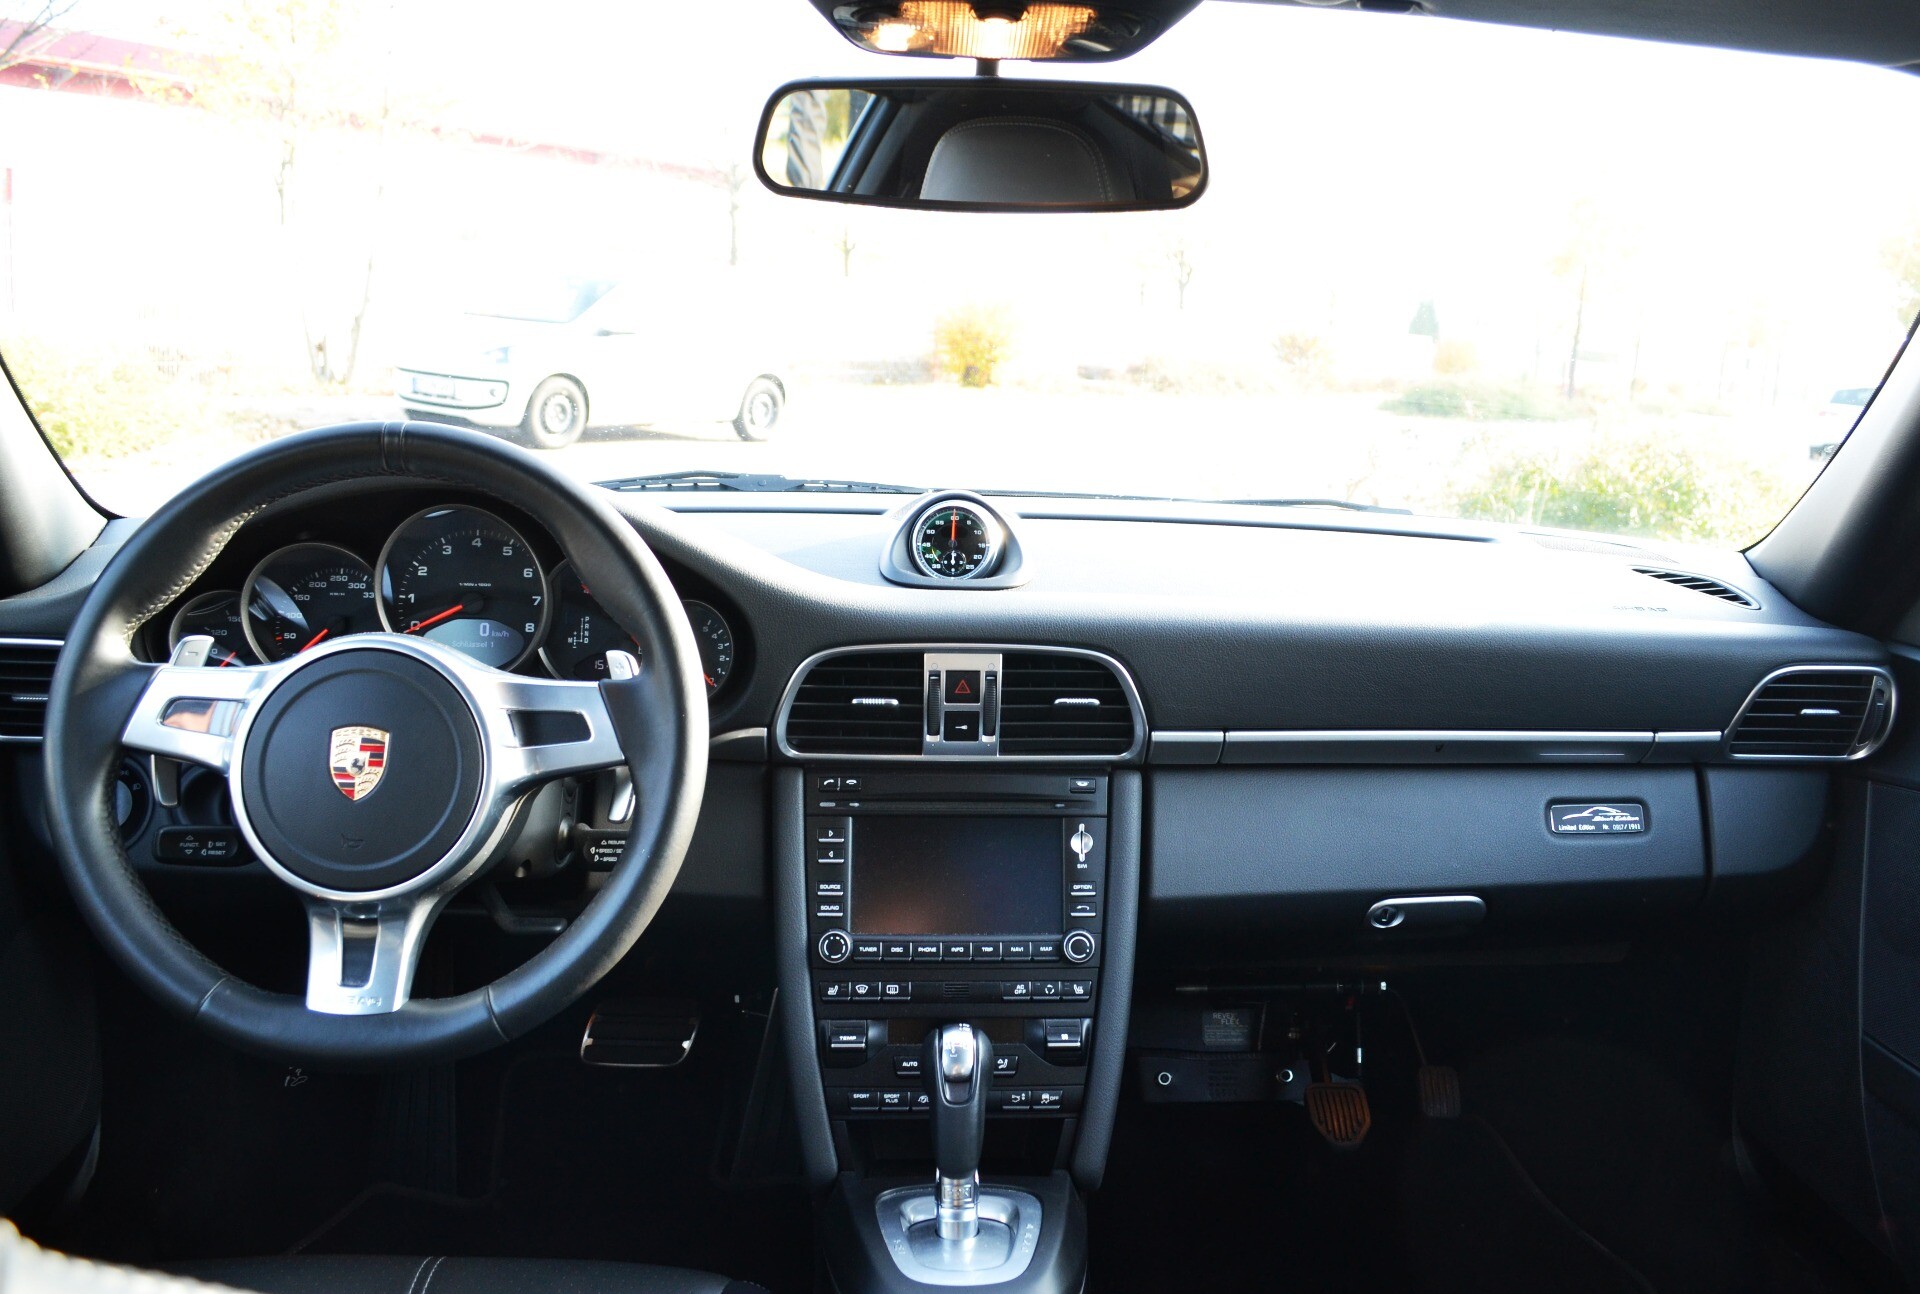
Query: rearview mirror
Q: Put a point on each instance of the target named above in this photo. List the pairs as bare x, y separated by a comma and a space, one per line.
982, 144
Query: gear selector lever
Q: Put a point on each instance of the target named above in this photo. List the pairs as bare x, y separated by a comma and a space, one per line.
960, 1062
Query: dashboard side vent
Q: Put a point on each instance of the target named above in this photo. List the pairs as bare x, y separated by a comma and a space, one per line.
1053, 704
26, 672
860, 703
1700, 584
1814, 712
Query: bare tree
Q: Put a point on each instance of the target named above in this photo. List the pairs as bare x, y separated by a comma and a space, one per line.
737, 177
31, 33
846, 247
288, 69
1182, 274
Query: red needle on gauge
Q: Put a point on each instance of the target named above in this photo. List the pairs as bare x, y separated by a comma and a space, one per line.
435, 619
314, 640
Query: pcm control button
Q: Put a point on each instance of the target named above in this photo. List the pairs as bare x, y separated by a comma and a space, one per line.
1078, 946
835, 946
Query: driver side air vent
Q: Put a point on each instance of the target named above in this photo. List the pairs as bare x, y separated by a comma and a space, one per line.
1814, 712
861, 703
1062, 705
26, 672
1700, 584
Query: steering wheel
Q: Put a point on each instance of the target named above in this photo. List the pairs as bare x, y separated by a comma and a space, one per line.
378, 774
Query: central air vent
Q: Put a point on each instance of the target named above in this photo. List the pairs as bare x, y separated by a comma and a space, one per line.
862, 703
26, 672
1814, 712
1700, 584
1062, 705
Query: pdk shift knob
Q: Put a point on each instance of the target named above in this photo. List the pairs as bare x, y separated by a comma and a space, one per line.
960, 1066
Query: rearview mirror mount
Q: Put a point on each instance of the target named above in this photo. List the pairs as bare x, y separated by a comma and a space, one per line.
982, 144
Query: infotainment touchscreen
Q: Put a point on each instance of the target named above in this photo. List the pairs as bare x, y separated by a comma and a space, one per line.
956, 876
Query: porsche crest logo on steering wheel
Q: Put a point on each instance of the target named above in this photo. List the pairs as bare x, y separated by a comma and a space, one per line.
358, 758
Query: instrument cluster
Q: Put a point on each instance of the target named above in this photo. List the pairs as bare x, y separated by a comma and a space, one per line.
458, 574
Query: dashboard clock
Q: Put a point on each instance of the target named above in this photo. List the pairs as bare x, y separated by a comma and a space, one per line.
955, 541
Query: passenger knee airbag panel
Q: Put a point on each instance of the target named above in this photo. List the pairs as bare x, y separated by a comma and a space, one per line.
1244, 855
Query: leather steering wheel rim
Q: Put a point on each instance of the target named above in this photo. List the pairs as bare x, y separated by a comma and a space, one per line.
659, 718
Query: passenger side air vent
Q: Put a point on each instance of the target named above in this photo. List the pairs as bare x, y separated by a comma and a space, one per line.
26, 672
1814, 712
1053, 704
861, 703
1700, 584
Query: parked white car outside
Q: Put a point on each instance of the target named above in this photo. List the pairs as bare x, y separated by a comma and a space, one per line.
563, 354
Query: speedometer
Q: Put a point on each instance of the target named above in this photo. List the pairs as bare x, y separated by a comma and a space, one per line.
304, 595
467, 580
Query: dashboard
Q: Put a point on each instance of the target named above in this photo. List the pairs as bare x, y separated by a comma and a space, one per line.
464, 573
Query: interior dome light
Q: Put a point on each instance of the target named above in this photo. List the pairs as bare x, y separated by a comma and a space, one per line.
957, 29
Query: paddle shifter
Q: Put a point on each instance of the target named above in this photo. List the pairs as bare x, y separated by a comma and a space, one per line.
960, 1061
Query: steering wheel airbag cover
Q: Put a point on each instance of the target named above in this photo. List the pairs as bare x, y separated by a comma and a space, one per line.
431, 775
660, 717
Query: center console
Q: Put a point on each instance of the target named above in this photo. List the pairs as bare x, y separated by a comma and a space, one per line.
940, 896
956, 962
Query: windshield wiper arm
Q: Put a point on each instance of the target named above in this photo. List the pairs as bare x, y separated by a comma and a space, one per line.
1345, 505
754, 483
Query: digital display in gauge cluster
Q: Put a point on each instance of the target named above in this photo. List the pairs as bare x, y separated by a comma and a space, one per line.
458, 575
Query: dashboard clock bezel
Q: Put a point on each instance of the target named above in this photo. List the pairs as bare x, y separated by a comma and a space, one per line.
990, 524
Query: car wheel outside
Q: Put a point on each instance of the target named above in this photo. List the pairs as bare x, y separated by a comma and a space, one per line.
556, 414
760, 409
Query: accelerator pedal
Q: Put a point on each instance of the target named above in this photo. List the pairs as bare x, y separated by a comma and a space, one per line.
1340, 1113
1439, 1091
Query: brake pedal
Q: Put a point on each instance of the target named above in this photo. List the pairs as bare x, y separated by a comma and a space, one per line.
1439, 1091
1340, 1113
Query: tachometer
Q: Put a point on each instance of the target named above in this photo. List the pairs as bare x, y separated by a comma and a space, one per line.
304, 595
583, 634
955, 541
216, 615
465, 579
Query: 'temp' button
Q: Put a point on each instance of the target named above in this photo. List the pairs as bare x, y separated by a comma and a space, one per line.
215, 846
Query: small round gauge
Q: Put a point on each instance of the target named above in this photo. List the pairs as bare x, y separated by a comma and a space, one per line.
715, 636
304, 595
583, 634
467, 580
217, 615
955, 541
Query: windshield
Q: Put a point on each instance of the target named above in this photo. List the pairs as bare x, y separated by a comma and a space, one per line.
542, 300
1458, 269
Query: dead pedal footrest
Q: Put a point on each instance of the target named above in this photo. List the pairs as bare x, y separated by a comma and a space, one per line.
640, 1034
1340, 1113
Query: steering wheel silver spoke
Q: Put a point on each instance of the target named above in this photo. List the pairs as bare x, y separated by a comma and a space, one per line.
361, 957
192, 713
540, 729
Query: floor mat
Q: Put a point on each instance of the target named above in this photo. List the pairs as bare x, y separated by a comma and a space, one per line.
1476, 1221
594, 1162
